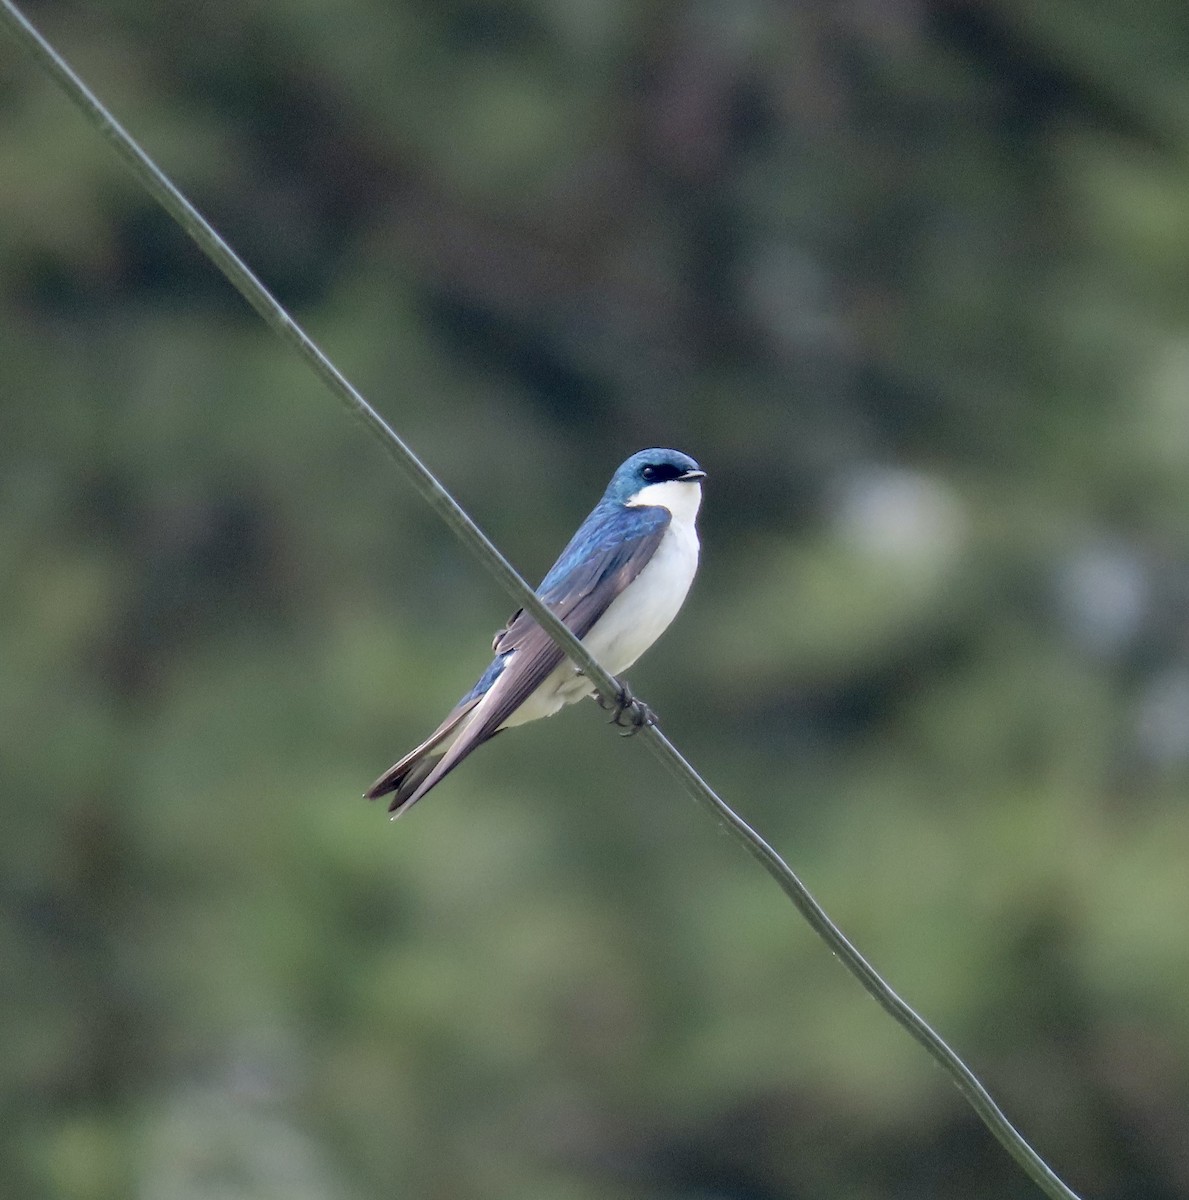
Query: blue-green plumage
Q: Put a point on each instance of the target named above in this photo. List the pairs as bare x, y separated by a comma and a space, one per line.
617, 585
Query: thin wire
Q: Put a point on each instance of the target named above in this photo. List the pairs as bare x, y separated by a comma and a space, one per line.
423, 480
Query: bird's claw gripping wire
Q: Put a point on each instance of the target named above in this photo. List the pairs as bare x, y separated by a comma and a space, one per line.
625, 705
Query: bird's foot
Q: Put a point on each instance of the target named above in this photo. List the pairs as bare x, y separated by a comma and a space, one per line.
630, 714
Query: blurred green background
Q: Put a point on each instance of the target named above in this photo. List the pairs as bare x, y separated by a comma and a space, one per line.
910, 278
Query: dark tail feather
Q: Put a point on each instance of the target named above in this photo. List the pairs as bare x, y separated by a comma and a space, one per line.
405, 777
444, 761
403, 780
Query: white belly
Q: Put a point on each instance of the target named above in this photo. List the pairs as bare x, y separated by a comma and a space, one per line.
632, 622
647, 607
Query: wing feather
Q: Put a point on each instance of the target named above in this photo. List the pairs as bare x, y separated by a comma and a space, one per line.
602, 559
397, 777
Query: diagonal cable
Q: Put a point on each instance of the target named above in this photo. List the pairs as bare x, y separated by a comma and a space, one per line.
158, 185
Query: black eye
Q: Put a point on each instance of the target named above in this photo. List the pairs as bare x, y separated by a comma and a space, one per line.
660, 472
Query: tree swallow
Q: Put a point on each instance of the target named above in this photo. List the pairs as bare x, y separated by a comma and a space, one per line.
617, 585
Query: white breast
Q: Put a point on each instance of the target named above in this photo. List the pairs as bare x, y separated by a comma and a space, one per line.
641, 613
635, 619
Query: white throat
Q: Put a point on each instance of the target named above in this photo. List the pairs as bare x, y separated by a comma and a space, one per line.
680, 498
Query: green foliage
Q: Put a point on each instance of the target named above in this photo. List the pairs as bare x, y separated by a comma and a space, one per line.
909, 281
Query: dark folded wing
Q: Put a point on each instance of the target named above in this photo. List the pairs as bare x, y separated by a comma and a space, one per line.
607, 553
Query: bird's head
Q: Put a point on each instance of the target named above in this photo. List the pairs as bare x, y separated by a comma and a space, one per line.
664, 477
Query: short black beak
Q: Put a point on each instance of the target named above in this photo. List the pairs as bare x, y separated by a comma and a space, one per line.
691, 476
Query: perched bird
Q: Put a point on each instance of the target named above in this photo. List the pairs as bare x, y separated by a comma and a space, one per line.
617, 585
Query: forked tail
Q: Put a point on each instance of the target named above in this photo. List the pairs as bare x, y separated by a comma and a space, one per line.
403, 779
